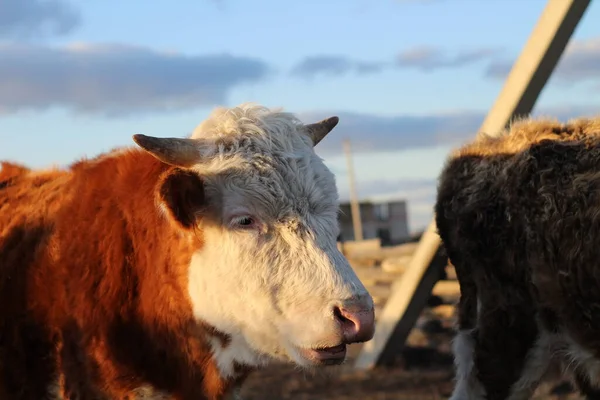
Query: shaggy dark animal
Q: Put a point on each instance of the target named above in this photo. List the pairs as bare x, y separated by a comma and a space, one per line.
519, 217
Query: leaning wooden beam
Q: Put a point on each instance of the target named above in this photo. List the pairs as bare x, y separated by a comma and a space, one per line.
523, 85
534, 66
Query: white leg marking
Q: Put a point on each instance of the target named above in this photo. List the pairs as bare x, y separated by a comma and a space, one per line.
576, 355
467, 385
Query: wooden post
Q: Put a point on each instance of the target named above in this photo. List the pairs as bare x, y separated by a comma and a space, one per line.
517, 98
354, 205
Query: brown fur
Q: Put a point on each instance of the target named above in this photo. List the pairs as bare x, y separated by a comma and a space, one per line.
93, 282
523, 133
519, 217
10, 171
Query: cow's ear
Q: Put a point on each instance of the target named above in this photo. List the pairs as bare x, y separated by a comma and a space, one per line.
182, 194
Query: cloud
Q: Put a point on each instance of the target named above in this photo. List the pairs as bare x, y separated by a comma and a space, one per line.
423, 58
334, 65
580, 62
117, 79
26, 18
375, 133
427, 59
370, 133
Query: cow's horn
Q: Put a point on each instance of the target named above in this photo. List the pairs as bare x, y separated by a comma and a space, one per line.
319, 130
174, 151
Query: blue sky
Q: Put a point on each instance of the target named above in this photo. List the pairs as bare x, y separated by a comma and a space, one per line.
409, 79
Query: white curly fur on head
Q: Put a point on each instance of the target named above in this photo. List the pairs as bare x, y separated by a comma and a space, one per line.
271, 129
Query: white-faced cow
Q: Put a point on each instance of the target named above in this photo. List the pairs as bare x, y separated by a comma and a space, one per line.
519, 216
177, 267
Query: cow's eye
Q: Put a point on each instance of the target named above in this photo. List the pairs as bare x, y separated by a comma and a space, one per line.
244, 222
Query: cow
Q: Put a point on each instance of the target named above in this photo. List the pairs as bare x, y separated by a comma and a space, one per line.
176, 267
519, 218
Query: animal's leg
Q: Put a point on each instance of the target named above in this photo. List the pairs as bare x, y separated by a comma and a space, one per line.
539, 358
506, 352
467, 385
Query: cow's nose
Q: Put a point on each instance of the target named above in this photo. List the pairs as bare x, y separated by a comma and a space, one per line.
357, 322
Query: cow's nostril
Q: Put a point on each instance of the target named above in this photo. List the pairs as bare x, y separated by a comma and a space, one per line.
357, 324
339, 315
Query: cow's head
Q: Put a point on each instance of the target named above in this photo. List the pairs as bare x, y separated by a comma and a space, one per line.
269, 274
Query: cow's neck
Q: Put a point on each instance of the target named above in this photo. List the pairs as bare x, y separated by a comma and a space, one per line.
145, 323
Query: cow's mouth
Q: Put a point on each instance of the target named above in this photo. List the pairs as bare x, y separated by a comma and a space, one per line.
326, 355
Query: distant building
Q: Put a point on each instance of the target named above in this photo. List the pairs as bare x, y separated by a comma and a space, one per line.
386, 221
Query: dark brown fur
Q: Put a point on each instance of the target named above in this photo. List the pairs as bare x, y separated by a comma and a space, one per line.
93, 282
520, 220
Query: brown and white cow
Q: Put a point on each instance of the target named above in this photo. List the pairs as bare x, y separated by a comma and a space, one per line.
519, 216
177, 267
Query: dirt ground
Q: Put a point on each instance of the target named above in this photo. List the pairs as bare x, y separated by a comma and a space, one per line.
419, 374
393, 383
